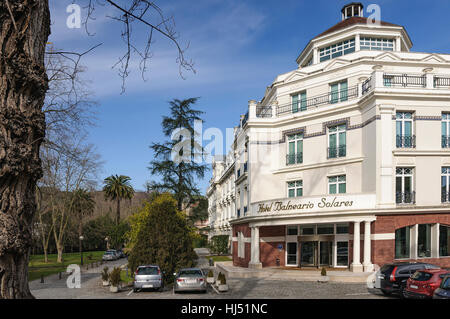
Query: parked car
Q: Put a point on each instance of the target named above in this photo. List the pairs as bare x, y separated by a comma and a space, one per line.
443, 292
109, 255
190, 279
423, 283
392, 277
148, 277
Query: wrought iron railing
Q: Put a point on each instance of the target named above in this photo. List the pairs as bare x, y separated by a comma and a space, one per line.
445, 141
292, 159
406, 141
245, 119
340, 151
404, 80
405, 198
315, 101
366, 86
445, 197
264, 111
441, 81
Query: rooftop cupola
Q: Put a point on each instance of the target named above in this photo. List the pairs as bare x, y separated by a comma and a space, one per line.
354, 9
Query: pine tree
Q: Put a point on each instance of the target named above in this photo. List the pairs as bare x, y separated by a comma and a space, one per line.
178, 172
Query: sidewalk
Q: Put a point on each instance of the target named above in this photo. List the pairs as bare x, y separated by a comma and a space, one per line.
271, 273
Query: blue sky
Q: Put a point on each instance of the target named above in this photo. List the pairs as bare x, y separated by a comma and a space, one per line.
238, 47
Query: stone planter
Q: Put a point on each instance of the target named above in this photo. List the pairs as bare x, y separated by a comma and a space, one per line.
105, 283
324, 279
113, 289
223, 288
210, 280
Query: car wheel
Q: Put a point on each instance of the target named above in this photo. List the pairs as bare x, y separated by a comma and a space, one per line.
386, 293
402, 292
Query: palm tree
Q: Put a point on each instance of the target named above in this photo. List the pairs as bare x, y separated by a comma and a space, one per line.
82, 205
117, 188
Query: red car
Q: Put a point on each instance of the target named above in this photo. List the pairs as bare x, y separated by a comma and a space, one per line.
424, 282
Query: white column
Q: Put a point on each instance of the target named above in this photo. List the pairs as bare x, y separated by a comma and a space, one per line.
429, 76
252, 109
357, 43
255, 261
435, 240
385, 129
414, 234
398, 44
368, 266
315, 56
356, 265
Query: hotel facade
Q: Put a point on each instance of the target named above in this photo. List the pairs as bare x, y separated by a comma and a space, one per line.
345, 161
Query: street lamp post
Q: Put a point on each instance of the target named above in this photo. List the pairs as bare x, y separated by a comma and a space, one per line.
81, 249
107, 243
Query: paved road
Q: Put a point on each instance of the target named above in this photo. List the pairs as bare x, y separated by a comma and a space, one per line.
258, 288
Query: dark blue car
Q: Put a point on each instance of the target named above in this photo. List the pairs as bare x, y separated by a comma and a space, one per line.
443, 292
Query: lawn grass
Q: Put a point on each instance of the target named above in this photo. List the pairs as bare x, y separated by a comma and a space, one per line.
124, 278
37, 267
219, 258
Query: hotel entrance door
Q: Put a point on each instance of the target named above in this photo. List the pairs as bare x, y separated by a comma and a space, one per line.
315, 253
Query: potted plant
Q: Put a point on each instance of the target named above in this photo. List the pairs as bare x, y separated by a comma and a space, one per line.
323, 275
222, 283
105, 277
210, 277
114, 278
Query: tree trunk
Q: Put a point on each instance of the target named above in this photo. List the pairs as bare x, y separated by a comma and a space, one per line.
118, 211
24, 30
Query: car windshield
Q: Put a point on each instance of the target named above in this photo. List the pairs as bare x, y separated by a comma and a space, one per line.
444, 275
147, 271
190, 273
421, 276
386, 268
109, 253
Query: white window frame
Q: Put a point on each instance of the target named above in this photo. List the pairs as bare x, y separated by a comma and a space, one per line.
338, 130
295, 188
337, 183
376, 44
341, 46
403, 120
403, 175
445, 172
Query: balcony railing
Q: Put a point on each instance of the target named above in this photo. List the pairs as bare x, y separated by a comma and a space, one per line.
292, 159
445, 141
405, 198
406, 141
245, 119
445, 197
315, 101
367, 86
340, 151
263, 111
404, 80
441, 82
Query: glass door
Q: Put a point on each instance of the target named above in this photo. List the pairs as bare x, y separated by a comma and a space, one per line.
325, 253
292, 254
308, 253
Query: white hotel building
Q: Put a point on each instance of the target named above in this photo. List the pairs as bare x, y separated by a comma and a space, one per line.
345, 162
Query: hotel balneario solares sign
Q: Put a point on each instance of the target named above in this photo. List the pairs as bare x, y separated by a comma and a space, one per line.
318, 204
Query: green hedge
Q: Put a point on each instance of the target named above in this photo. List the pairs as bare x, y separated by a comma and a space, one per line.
219, 244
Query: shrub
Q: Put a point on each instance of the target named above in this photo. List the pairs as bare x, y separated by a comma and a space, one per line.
221, 279
90, 257
219, 244
210, 273
162, 236
323, 272
105, 274
114, 277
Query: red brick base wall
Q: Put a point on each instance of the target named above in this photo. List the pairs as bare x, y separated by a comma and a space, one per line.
269, 253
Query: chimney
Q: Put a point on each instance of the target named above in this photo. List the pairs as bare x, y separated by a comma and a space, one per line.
354, 9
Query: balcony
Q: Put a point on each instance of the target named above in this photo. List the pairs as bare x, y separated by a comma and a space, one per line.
264, 111
292, 159
445, 197
404, 80
405, 198
445, 141
318, 100
335, 152
367, 86
406, 141
441, 82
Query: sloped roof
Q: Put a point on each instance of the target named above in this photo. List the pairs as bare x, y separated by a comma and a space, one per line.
352, 21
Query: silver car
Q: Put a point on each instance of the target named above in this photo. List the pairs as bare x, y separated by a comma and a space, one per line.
190, 279
148, 277
109, 255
